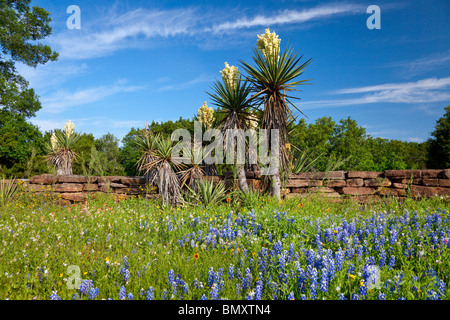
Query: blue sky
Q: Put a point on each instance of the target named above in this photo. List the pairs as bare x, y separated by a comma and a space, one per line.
134, 62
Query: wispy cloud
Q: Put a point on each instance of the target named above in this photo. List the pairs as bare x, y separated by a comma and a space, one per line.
147, 27
421, 65
186, 84
422, 91
123, 31
287, 17
61, 100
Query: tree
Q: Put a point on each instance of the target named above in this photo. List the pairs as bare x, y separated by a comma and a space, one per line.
109, 151
21, 26
272, 77
439, 144
129, 153
18, 138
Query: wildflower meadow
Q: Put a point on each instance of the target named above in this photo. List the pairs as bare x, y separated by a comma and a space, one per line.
300, 248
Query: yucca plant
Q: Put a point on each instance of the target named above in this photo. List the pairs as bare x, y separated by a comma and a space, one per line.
145, 142
206, 192
194, 170
8, 190
232, 96
272, 78
161, 167
60, 149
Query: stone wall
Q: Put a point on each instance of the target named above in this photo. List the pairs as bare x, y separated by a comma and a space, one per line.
335, 184
398, 183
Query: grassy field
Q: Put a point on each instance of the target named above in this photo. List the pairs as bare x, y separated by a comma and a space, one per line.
266, 249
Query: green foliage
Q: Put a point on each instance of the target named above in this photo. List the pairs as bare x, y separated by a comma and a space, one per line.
206, 193
8, 190
439, 144
109, 153
21, 27
18, 138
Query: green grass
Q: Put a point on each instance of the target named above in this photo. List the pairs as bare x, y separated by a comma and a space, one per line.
40, 240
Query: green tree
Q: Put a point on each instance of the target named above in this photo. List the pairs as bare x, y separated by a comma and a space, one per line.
439, 144
349, 141
129, 153
18, 138
109, 151
21, 27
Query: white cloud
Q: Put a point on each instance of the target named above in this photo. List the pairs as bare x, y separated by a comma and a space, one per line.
61, 100
144, 27
422, 91
287, 17
123, 31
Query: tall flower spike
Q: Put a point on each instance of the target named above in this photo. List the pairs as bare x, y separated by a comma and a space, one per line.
68, 128
54, 142
230, 76
269, 44
206, 115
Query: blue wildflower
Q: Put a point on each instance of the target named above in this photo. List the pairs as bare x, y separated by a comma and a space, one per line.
291, 296
54, 296
122, 293
149, 295
85, 286
231, 271
93, 293
259, 290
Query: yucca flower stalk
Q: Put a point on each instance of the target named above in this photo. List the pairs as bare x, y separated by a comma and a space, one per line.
272, 78
205, 115
60, 149
232, 97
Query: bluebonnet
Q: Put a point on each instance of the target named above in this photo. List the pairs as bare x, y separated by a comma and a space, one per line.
93, 293
130, 296
355, 296
339, 258
247, 279
149, 295
441, 287
203, 297
324, 280
259, 290
381, 296
54, 296
211, 275
122, 293
85, 286
125, 273
301, 280
214, 293
342, 297
391, 262
231, 271
291, 296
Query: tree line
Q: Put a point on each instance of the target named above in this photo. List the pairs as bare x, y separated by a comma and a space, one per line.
342, 145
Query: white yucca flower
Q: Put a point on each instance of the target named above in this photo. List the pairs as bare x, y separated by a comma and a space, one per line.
68, 128
206, 115
230, 75
269, 44
54, 141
